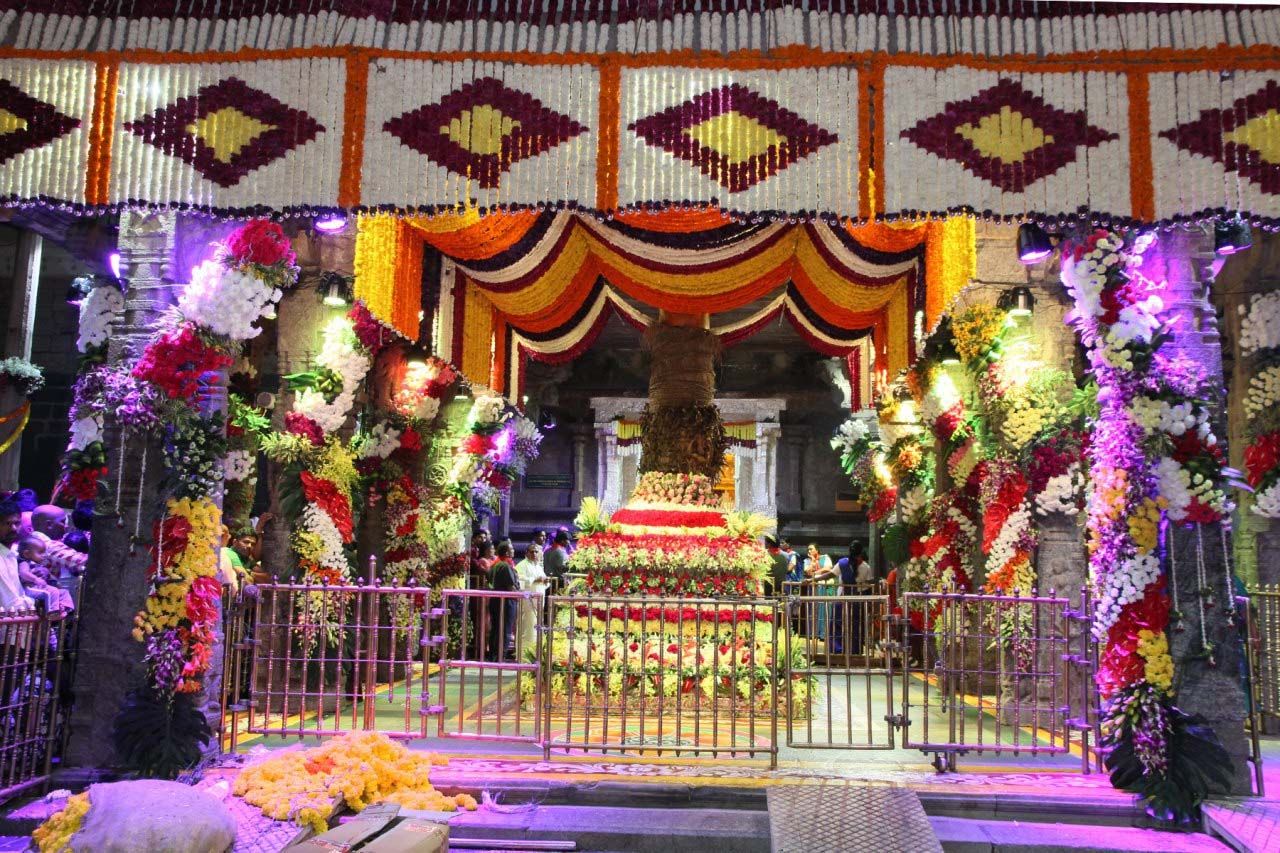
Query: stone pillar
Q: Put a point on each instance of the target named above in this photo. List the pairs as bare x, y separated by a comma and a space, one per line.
17, 343
579, 437
1243, 276
110, 660
1206, 684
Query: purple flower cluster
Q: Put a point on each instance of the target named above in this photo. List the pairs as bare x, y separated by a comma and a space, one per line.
165, 660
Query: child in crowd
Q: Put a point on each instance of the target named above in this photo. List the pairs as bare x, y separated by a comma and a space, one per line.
36, 578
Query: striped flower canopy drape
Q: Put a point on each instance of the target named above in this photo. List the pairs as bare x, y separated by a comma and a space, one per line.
845, 110
542, 285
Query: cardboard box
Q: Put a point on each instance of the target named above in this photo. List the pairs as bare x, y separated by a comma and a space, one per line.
344, 838
411, 836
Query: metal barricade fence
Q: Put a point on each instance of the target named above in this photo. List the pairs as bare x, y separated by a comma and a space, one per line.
663, 675
321, 660
32, 724
1264, 639
489, 666
996, 673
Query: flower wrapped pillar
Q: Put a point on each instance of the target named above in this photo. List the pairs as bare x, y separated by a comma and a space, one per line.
116, 580
1204, 630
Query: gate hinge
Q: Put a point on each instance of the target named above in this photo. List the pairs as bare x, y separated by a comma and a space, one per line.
898, 721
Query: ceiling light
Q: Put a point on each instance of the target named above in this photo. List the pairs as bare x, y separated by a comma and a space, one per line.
1033, 243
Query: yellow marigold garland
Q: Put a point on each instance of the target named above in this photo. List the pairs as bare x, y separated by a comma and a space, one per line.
166, 606
360, 767
54, 835
1157, 663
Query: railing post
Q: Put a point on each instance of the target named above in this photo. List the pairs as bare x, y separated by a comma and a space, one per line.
371, 645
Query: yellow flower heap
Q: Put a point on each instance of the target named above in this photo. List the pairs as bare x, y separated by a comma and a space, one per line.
54, 835
361, 767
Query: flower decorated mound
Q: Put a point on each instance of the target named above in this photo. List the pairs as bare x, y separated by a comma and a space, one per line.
359, 768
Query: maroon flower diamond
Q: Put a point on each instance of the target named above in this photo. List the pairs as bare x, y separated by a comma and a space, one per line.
481, 129
735, 136
226, 130
1244, 138
1007, 135
27, 123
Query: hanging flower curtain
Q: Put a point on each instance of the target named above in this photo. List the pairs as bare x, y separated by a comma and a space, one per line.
550, 280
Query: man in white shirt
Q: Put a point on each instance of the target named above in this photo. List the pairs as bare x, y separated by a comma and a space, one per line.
11, 592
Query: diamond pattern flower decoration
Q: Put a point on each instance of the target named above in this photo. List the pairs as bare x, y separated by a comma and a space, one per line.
735, 136
227, 130
1007, 135
483, 128
27, 123
1244, 137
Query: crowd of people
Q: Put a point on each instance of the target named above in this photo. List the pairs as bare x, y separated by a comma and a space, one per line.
505, 628
43, 554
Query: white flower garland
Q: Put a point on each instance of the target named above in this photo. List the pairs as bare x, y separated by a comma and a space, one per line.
913, 500
1260, 328
1264, 391
228, 301
1061, 494
1004, 547
84, 432
850, 436
238, 465
96, 313
317, 522
1122, 587
381, 442
340, 351
1267, 502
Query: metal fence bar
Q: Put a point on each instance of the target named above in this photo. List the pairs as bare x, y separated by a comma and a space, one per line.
1264, 603
32, 647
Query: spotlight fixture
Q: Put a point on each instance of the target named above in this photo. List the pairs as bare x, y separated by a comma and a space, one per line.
1021, 302
547, 420
79, 289
334, 223
1231, 236
1033, 243
334, 288
113, 263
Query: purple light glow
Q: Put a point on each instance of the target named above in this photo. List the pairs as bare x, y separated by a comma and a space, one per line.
1033, 256
502, 443
113, 262
332, 224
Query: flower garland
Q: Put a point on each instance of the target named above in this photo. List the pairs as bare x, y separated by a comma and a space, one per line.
1262, 453
23, 376
84, 461
55, 834
160, 395
1151, 455
501, 445
326, 396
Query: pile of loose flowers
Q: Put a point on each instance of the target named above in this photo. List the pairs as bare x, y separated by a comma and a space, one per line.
358, 769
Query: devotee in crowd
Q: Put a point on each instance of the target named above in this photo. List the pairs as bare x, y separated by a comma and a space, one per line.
230, 568
779, 568
11, 592
502, 611
36, 578
485, 558
819, 569
569, 547
532, 579
556, 560
541, 540
855, 574
49, 524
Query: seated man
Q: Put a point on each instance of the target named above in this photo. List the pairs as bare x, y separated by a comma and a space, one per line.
11, 592
49, 523
36, 577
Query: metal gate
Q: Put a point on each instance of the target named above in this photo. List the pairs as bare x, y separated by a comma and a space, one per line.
998, 673
489, 685
844, 647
